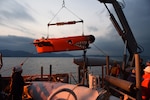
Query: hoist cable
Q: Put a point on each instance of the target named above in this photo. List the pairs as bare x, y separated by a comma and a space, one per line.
63, 6
100, 50
65, 23
73, 13
107, 8
55, 15
21, 64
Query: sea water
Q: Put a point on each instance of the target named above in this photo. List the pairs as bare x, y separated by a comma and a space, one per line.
32, 66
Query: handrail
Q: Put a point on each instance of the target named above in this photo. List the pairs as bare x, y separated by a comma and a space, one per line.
1, 61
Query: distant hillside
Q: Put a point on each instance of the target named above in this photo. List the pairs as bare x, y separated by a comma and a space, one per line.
10, 53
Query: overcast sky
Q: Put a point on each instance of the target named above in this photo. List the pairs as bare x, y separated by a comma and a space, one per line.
21, 21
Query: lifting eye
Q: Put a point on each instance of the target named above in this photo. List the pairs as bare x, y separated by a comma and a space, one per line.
69, 41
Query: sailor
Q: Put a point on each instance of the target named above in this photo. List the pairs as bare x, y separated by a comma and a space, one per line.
146, 84
17, 84
148, 63
132, 77
114, 71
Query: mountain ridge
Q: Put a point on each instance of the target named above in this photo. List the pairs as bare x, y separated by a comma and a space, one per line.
20, 53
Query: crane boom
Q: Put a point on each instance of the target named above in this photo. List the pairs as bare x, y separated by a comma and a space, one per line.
126, 33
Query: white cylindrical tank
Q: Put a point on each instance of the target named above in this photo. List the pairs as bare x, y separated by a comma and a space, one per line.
94, 81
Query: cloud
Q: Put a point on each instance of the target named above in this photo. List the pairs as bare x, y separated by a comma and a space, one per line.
16, 43
19, 28
92, 29
137, 14
15, 16
13, 11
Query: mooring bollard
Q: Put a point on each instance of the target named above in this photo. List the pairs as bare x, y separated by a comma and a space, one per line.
50, 72
41, 72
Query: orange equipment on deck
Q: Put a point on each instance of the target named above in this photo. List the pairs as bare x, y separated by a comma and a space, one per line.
44, 45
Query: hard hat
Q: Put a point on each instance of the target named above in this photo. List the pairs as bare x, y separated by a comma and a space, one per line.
147, 69
18, 68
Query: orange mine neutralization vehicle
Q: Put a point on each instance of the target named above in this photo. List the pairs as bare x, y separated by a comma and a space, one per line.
71, 43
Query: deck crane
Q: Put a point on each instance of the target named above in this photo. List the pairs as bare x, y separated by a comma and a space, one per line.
124, 31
